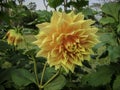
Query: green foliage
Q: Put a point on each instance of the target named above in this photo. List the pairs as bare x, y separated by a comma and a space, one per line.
22, 77
54, 3
88, 11
118, 30
111, 9
107, 50
78, 4
107, 20
100, 77
116, 85
3, 45
43, 16
49, 72
5, 75
57, 84
114, 53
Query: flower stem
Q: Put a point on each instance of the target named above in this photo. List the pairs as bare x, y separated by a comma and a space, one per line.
53, 77
35, 71
42, 76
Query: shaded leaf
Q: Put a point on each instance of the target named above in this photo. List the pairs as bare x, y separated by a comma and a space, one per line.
104, 54
5, 75
86, 63
44, 16
78, 4
88, 11
57, 84
55, 3
112, 9
101, 77
49, 72
118, 28
107, 38
4, 17
106, 20
114, 53
97, 46
31, 52
22, 77
4, 46
116, 85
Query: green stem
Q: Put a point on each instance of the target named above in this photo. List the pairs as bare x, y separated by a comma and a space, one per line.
53, 77
42, 76
65, 2
35, 71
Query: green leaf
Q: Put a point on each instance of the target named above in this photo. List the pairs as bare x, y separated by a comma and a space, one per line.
118, 28
57, 84
5, 75
116, 84
78, 4
4, 46
49, 72
114, 53
55, 3
106, 20
31, 52
22, 77
97, 46
107, 38
4, 17
101, 77
112, 9
44, 16
88, 11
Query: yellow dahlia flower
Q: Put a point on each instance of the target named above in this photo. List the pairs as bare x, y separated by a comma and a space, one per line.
67, 40
13, 37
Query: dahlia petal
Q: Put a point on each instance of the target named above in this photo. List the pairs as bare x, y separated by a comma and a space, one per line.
59, 37
63, 25
77, 62
71, 14
55, 17
78, 17
66, 17
87, 23
65, 68
57, 67
40, 26
68, 67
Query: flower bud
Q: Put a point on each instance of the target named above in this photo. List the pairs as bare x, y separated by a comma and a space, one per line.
19, 38
13, 37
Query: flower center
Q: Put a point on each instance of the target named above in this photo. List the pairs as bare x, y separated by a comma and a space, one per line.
71, 47
70, 43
